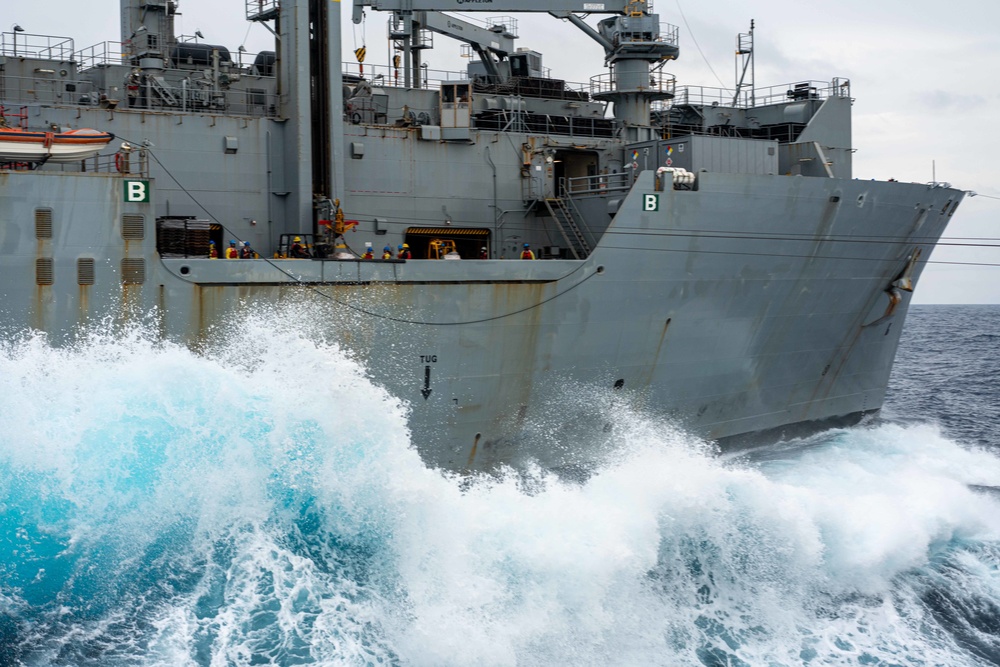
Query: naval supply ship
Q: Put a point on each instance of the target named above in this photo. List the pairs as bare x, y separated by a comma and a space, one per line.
702, 253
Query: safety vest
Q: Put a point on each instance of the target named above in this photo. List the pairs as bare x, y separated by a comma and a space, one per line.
527, 254
232, 253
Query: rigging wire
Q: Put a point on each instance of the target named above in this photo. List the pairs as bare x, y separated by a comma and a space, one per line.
247, 33
695, 41
312, 288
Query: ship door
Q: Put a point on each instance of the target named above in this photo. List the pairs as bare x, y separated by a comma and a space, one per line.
456, 101
570, 165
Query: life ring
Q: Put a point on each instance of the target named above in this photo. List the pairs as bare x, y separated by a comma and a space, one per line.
355, 118
119, 163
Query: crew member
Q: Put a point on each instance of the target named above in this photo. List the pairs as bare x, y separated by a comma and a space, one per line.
246, 252
297, 250
404, 252
526, 253
231, 251
369, 253
387, 252
213, 252
484, 253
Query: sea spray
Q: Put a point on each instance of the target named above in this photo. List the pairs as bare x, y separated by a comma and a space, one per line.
259, 502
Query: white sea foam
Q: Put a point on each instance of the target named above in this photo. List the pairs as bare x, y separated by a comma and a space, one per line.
260, 501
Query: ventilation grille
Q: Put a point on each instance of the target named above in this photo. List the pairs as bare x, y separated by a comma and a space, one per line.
85, 271
133, 271
43, 223
43, 271
133, 227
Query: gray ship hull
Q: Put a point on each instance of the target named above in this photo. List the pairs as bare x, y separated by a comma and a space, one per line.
754, 304
708, 257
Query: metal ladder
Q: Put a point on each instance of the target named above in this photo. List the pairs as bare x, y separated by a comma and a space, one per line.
161, 88
575, 240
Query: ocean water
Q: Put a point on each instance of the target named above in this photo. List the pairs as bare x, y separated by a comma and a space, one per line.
258, 503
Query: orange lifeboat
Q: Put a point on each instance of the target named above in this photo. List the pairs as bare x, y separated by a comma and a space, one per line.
29, 146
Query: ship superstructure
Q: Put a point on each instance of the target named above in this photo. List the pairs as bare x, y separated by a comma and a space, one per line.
703, 253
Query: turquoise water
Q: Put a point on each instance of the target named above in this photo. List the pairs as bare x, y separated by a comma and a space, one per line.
259, 503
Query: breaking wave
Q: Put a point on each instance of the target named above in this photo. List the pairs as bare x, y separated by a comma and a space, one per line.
259, 502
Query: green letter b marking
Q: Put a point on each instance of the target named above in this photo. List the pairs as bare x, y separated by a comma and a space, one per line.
137, 191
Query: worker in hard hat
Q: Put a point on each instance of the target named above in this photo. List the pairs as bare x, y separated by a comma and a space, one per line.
387, 252
526, 253
232, 252
404, 252
297, 250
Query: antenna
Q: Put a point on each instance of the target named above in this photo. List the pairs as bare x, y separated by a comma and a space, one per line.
744, 62
933, 173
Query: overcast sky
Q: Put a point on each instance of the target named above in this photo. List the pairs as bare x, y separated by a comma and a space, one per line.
924, 75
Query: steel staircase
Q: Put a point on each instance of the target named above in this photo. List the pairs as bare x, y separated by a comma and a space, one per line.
561, 212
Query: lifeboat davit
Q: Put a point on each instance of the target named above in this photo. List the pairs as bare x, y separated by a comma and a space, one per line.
18, 145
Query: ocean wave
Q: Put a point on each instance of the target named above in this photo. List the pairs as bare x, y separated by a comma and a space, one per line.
235, 505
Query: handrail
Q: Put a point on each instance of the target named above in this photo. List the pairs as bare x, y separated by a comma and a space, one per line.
30, 45
759, 97
597, 184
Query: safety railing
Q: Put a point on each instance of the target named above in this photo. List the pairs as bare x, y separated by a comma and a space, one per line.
48, 86
135, 163
799, 90
388, 76
53, 88
502, 24
659, 83
668, 34
156, 95
598, 184
547, 124
20, 44
117, 53
262, 10
102, 53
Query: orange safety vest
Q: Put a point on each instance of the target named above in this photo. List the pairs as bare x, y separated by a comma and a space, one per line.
527, 254
232, 253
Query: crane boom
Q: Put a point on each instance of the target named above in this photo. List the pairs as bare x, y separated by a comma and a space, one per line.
582, 6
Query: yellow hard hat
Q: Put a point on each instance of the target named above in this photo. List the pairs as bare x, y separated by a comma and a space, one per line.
406, 245
296, 239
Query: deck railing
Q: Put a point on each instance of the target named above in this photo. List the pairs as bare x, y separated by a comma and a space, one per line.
19, 44
759, 97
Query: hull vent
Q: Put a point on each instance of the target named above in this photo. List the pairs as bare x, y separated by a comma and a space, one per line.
43, 223
43, 271
85, 271
133, 271
133, 227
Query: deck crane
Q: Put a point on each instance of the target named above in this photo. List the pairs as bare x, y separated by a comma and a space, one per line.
631, 38
488, 42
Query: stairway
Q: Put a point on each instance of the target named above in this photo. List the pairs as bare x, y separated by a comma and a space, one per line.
162, 89
560, 211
